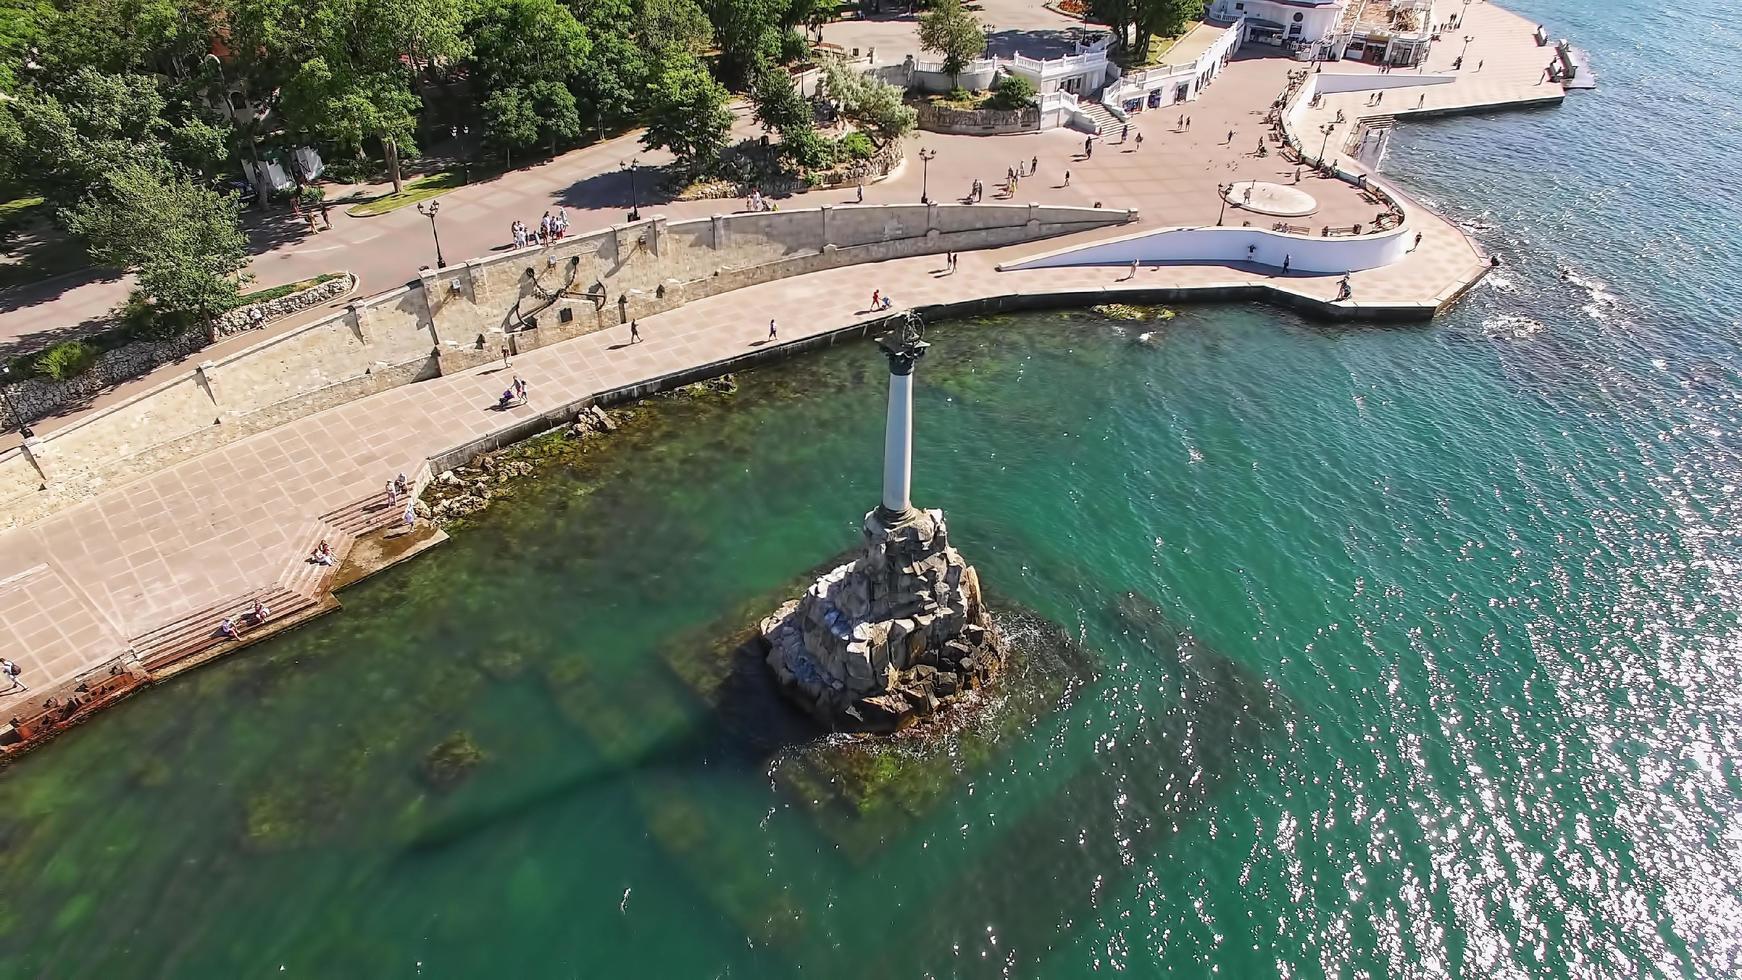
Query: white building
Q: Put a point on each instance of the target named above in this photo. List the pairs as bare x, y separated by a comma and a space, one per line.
1283, 21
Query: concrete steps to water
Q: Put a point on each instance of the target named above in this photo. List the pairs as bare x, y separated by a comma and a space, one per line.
197, 631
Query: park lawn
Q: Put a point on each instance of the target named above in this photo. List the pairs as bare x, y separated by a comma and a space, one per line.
417, 189
19, 210
274, 292
1158, 48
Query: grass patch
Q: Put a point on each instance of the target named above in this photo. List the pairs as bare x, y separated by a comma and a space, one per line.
959, 98
416, 189
1159, 47
19, 210
275, 292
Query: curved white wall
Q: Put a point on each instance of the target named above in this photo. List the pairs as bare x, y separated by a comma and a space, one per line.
1330, 256
1331, 83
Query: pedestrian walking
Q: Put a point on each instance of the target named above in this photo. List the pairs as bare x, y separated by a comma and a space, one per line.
392, 494
1287, 260
1480, 63
520, 389
1133, 273
1088, 147
1230, 137
773, 331
1067, 178
327, 215
505, 353
1033, 165
1188, 124
1124, 132
11, 670
953, 257
1140, 141
1182, 122
1378, 97
1419, 102
860, 198
634, 332
1417, 242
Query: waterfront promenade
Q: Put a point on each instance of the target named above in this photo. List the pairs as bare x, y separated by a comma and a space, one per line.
77, 584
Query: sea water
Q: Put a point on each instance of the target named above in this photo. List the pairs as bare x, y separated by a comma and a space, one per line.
1415, 649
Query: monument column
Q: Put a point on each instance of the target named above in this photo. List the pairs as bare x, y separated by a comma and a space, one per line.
903, 348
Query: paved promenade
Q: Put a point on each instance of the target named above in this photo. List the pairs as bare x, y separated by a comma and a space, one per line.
76, 585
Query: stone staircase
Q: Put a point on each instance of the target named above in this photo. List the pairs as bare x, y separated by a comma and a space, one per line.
301, 592
1100, 117
197, 632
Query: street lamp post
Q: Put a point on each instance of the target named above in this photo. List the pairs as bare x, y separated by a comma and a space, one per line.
11, 409
1327, 129
1222, 192
430, 213
1466, 49
634, 191
925, 159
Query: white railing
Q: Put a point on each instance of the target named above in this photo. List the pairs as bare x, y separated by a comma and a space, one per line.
1137, 84
1088, 57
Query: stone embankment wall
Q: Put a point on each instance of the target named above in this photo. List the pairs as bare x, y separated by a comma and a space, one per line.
38, 398
242, 318
978, 122
460, 317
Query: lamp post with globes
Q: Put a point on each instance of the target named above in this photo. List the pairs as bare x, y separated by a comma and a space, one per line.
430, 213
11, 409
634, 191
1223, 192
1327, 129
925, 157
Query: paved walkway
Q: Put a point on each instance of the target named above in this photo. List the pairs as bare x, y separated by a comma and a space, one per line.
74, 585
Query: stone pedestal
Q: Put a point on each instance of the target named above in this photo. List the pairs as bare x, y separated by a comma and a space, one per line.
891, 637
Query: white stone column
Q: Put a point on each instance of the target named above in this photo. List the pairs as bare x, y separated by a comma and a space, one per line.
898, 444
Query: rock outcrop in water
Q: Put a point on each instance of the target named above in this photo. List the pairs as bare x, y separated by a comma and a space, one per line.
892, 637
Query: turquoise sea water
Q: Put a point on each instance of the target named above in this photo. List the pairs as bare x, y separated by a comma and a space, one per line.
1460, 696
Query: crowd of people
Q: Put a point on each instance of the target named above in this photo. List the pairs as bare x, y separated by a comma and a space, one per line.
550, 228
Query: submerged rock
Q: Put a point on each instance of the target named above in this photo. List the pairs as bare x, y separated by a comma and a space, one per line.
1134, 313
451, 761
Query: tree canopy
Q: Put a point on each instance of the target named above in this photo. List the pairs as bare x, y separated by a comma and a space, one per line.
951, 32
687, 112
183, 240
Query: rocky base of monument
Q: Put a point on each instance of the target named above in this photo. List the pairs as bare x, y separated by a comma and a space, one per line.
891, 638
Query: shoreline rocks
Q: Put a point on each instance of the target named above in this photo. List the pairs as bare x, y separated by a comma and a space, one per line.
891, 638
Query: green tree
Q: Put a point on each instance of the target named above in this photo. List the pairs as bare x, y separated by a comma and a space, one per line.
510, 122
21, 23
686, 112
614, 78
1012, 92
518, 42
347, 108
747, 32
867, 102
948, 30
779, 106
61, 144
184, 241
664, 26
559, 119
